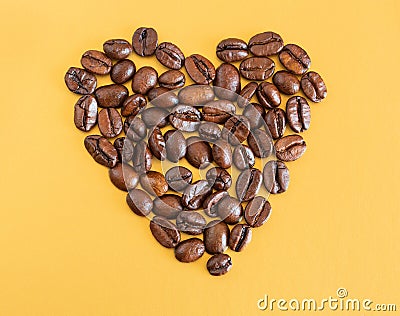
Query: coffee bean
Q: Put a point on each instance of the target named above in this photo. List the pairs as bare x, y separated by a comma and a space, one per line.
157, 144
231, 50
236, 129
172, 79
141, 158
196, 95
313, 86
144, 80
111, 96
124, 148
178, 178
257, 68
134, 128
133, 105
298, 114
216, 236
170, 55
222, 154
198, 152
276, 177
110, 122
240, 237
124, 177
122, 71
227, 82
85, 113
162, 97
246, 94
260, 143
255, 113
155, 117
230, 210
168, 206
185, 118
189, 250
80, 81
275, 119
266, 44
290, 148
219, 178
218, 111
165, 232
294, 59
194, 194
268, 95
96, 62
210, 204
144, 41
102, 151
154, 183
286, 82
257, 211
175, 145
243, 157
139, 202
209, 131
200, 69
117, 48
248, 184
191, 223
219, 264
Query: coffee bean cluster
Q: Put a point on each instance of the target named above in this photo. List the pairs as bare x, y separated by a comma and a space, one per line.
213, 122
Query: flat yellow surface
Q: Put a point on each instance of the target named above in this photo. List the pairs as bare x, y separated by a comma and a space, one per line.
70, 246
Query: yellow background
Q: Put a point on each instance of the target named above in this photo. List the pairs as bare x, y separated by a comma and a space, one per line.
70, 246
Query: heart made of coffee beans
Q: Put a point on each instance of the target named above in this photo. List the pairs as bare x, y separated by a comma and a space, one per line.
215, 128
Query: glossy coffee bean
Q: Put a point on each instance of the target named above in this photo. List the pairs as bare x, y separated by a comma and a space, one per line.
189, 250
294, 59
96, 62
165, 232
139, 202
144, 80
191, 222
198, 152
196, 95
218, 111
243, 157
219, 178
85, 113
200, 69
257, 68
265, 44
268, 95
290, 148
257, 211
185, 118
80, 81
122, 71
155, 117
255, 114
144, 41
227, 82
298, 114
260, 143
240, 237
117, 48
276, 177
246, 94
275, 119
209, 131
134, 128
230, 210
124, 177
162, 97
222, 153
124, 148
168, 206
248, 184
194, 194
216, 237
178, 178
286, 82
236, 129
313, 86
210, 204
111, 96
102, 151
172, 79
232, 49
156, 143
175, 145
170, 55
110, 122
133, 105
219, 264
154, 183
141, 158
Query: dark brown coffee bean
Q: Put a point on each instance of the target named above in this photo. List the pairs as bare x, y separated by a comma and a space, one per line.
111, 96
124, 148
276, 177
232, 49
227, 82
198, 152
85, 113
170, 55
268, 95
196, 95
101, 150
257, 68
134, 128
209, 131
216, 237
222, 153
194, 194
219, 264
144, 41
139, 202
172, 79
260, 143
255, 113
200, 69
144, 80
155, 117
175, 145
178, 178
96, 62
265, 44
110, 122
80, 81
236, 129
141, 158
313, 86
243, 157
286, 82
230, 210
218, 111
162, 97
248, 184
294, 59
257, 211
165, 232
219, 178
210, 204
133, 105
124, 177
290, 148
189, 250
298, 114
117, 48
154, 183
185, 118
275, 119
157, 144
191, 223
246, 94
168, 206
240, 237
122, 71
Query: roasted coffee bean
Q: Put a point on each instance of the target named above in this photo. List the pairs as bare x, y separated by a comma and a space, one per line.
232, 49
219, 264
111, 96
209, 131
257, 211
124, 148
155, 117
110, 122
200, 69
96, 62
141, 158
243, 157
85, 113
260, 143
170, 55
194, 194
175, 145
230, 210
286, 82
101, 150
257, 68
144, 41
294, 59
210, 204
216, 237
178, 178
227, 82
172, 79
198, 152
168, 206
117, 48
189, 250
191, 223
196, 95
139, 202
157, 144
298, 114
268, 95
134, 128
162, 97
275, 119
313, 86
246, 94
218, 111
165, 232
240, 237
255, 113
222, 153
122, 71
236, 129
144, 80
124, 177
290, 148
154, 183
80, 81
219, 178
185, 118
276, 177
248, 184
266, 44
133, 105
